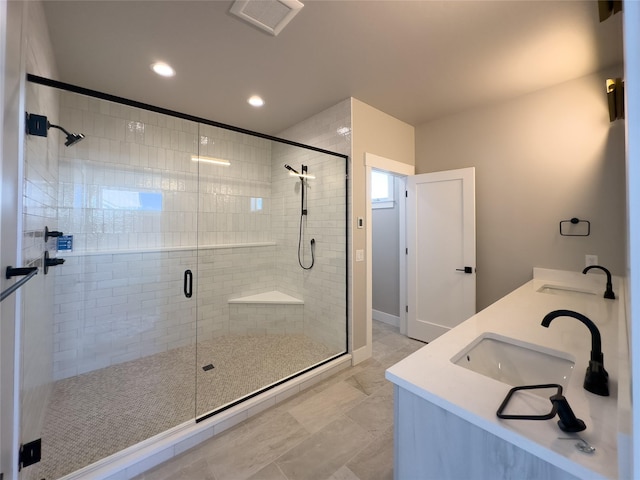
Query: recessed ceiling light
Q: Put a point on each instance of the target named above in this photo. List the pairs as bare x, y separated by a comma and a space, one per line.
163, 69
255, 101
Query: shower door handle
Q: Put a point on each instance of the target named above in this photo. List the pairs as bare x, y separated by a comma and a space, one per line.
188, 283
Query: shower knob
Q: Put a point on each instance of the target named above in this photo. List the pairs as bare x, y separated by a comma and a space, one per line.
51, 262
49, 234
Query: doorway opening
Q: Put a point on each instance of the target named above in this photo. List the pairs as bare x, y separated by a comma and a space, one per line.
399, 171
388, 247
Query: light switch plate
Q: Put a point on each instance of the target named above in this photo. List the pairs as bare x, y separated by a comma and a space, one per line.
359, 255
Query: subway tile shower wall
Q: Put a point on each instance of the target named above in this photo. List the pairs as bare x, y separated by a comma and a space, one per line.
144, 161
324, 291
137, 206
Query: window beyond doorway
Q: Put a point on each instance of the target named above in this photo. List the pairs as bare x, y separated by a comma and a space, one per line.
381, 189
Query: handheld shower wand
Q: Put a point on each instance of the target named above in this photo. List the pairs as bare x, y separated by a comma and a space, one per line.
303, 213
291, 169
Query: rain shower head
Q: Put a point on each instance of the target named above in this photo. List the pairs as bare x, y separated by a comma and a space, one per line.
39, 125
72, 138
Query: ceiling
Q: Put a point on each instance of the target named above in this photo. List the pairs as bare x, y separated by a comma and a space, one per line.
415, 60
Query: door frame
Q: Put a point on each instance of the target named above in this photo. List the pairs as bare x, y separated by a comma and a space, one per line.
372, 161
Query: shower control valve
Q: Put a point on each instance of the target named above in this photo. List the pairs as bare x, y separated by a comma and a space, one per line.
51, 262
51, 234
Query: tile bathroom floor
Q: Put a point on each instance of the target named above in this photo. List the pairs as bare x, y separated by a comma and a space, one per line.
339, 429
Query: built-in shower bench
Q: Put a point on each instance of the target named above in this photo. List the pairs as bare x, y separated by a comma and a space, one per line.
271, 297
271, 312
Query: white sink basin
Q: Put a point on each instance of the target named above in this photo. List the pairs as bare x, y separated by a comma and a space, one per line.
565, 290
515, 362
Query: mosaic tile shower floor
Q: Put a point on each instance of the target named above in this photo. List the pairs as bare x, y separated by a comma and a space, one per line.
94, 415
340, 428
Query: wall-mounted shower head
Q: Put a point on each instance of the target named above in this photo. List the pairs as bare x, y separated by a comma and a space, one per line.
72, 138
39, 125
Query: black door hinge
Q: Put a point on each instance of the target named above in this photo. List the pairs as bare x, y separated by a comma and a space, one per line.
465, 270
406, 308
30, 453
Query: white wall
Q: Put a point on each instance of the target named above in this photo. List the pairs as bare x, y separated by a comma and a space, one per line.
541, 158
380, 134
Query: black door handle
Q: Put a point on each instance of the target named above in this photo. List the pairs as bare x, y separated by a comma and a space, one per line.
188, 283
465, 270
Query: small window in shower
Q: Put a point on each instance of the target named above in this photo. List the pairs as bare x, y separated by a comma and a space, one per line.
131, 200
256, 204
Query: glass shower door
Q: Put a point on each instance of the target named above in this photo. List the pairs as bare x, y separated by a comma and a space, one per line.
117, 337
236, 258
262, 318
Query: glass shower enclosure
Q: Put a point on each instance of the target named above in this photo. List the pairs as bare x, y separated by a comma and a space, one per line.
198, 272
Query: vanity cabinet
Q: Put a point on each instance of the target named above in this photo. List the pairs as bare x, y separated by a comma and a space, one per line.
446, 425
433, 443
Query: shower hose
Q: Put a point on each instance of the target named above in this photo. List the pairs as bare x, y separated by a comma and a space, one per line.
303, 212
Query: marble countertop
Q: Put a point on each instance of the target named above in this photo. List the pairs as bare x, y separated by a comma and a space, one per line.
430, 374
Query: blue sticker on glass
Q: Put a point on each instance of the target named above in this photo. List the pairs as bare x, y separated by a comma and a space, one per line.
65, 243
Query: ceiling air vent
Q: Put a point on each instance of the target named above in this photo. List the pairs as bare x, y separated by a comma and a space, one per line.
269, 15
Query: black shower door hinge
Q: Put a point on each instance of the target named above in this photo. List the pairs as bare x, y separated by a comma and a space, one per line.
29, 453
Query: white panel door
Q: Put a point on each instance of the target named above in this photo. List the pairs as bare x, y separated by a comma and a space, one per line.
441, 257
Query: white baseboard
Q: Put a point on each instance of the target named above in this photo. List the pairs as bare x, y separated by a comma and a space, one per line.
386, 318
361, 354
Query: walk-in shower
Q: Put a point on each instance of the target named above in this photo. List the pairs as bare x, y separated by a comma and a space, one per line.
179, 296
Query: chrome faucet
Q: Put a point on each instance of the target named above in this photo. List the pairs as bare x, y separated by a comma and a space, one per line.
608, 293
596, 379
